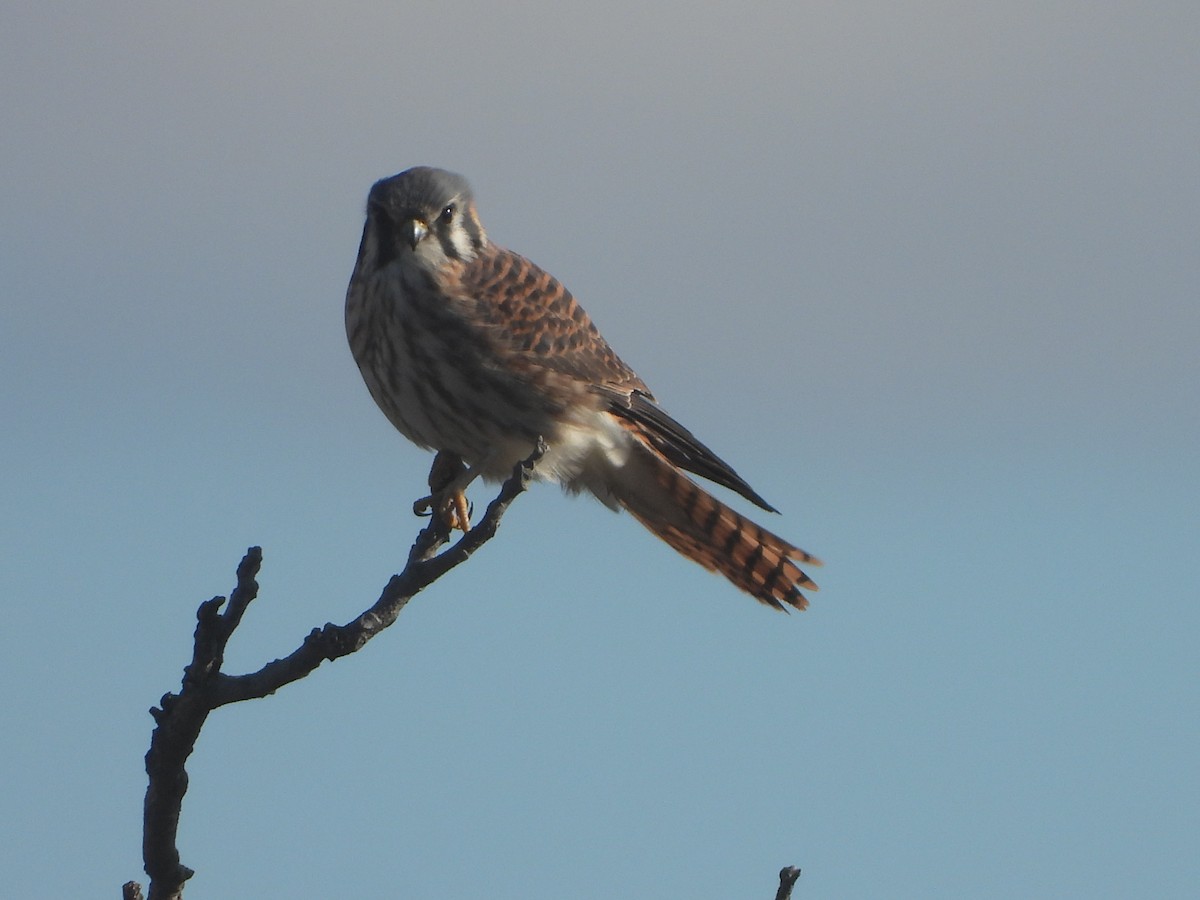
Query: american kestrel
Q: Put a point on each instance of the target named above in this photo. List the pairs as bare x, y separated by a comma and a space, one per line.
473, 351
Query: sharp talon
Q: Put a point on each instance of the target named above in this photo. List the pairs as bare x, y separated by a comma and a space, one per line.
452, 510
460, 512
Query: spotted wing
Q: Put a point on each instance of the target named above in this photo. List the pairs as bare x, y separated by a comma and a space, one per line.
540, 321
544, 325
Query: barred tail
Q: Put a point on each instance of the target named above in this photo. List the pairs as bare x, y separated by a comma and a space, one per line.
704, 529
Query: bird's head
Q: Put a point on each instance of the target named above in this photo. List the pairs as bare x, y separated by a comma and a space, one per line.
422, 216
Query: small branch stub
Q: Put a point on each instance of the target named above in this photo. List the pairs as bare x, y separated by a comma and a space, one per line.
787, 880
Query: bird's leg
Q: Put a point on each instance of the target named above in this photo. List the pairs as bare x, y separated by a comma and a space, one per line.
448, 480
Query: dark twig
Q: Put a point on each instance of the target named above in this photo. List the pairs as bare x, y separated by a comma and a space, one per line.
206, 687
787, 880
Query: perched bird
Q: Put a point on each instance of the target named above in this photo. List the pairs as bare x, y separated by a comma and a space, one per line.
473, 351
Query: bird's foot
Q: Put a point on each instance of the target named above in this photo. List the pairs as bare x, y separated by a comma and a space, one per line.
447, 478
451, 508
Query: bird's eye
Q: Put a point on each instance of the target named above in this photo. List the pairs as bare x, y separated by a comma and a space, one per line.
447, 215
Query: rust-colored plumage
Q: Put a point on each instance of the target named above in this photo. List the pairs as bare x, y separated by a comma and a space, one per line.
473, 351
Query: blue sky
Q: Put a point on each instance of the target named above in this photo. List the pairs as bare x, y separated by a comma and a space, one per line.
925, 273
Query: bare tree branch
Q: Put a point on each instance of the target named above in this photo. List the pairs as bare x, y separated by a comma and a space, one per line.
205, 687
180, 717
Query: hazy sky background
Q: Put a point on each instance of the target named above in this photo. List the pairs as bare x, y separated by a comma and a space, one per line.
926, 273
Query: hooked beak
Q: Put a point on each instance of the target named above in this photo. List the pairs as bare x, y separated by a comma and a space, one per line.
412, 231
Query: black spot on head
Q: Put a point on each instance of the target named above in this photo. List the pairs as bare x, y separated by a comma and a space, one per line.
386, 244
471, 224
443, 236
